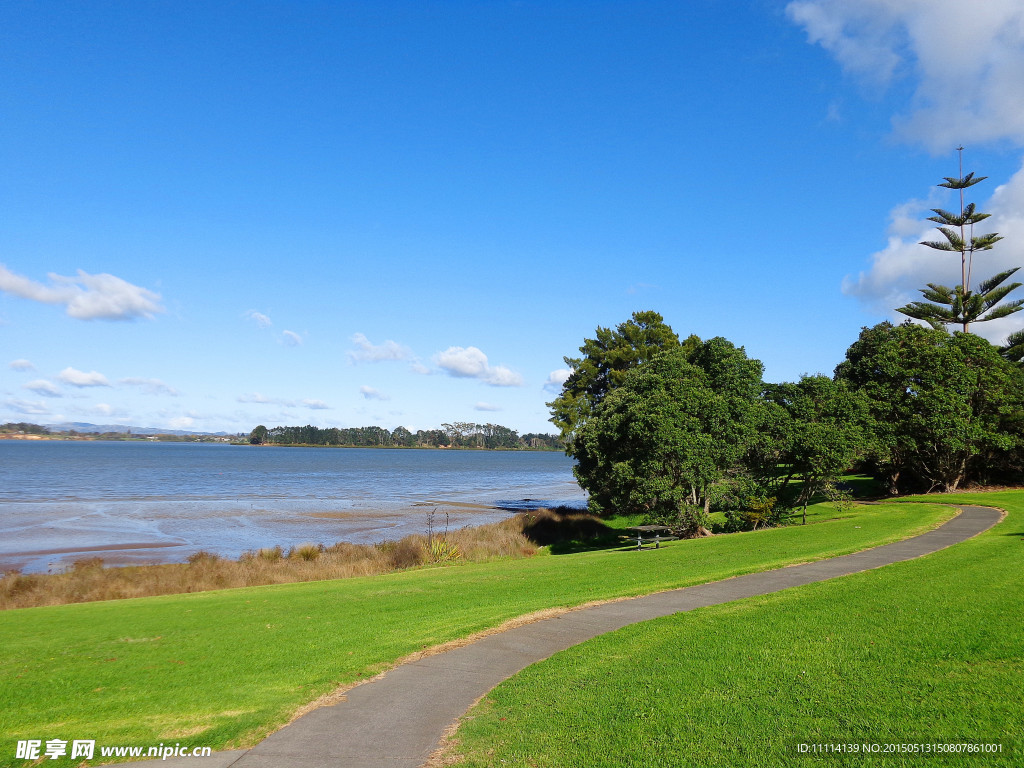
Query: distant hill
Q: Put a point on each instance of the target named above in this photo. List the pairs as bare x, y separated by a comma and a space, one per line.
86, 428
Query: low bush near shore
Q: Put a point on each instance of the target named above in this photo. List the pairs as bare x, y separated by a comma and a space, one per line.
89, 580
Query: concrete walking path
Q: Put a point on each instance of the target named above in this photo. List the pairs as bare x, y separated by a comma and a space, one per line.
397, 721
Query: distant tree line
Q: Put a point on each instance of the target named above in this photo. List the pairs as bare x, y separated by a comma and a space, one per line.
458, 434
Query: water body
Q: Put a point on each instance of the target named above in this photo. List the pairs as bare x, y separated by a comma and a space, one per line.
139, 502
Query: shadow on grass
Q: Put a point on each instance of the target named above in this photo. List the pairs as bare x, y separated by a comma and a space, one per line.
567, 531
864, 487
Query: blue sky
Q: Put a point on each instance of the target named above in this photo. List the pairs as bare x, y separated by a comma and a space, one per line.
220, 214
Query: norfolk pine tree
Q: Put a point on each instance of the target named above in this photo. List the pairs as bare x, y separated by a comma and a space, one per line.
960, 305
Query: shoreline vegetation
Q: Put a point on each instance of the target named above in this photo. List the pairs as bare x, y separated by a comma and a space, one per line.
520, 536
458, 434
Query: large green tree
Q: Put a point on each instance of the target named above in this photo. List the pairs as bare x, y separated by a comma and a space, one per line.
942, 406
961, 304
812, 432
671, 430
602, 366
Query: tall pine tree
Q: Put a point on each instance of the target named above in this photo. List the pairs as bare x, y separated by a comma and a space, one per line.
960, 305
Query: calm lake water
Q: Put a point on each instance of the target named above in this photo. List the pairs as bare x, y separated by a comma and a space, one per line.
160, 502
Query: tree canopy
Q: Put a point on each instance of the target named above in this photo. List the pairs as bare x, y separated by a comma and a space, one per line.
604, 362
812, 432
941, 405
673, 428
691, 428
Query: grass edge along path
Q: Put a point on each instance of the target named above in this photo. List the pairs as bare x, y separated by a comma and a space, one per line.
929, 650
223, 669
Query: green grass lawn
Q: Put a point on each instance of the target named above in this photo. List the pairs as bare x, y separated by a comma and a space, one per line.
927, 651
225, 668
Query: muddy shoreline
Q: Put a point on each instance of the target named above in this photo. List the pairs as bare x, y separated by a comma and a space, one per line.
51, 537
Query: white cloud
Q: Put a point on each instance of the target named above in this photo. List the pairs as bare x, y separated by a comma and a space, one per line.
86, 297
22, 365
372, 394
29, 408
259, 318
366, 351
291, 339
556, 379
460, 361
316, 405
181, 422
966, 61
256, 398
471, 363
103, 409
259, 399
43, 387
78, 378
420, 368
486, 407
903, 267
150, 386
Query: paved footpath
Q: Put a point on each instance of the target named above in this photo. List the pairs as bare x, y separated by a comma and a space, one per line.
396, 721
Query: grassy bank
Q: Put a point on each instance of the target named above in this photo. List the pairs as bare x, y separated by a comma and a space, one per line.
931, 650
225, 668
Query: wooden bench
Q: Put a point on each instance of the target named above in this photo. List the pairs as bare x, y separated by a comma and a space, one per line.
649, 534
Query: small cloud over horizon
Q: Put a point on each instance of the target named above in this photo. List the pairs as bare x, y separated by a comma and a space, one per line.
43, 387
27, 407
261, 320
472, 363
86, 296
368, 352
256, 398
78, 378
150, 386
372, 394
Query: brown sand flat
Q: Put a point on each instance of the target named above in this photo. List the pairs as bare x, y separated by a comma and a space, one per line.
113, 554
361, 514
99, 548
459, 504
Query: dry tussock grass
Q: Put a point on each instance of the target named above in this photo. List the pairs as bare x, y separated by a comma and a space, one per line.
90, 580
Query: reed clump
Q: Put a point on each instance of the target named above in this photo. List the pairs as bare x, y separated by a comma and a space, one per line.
90, 579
